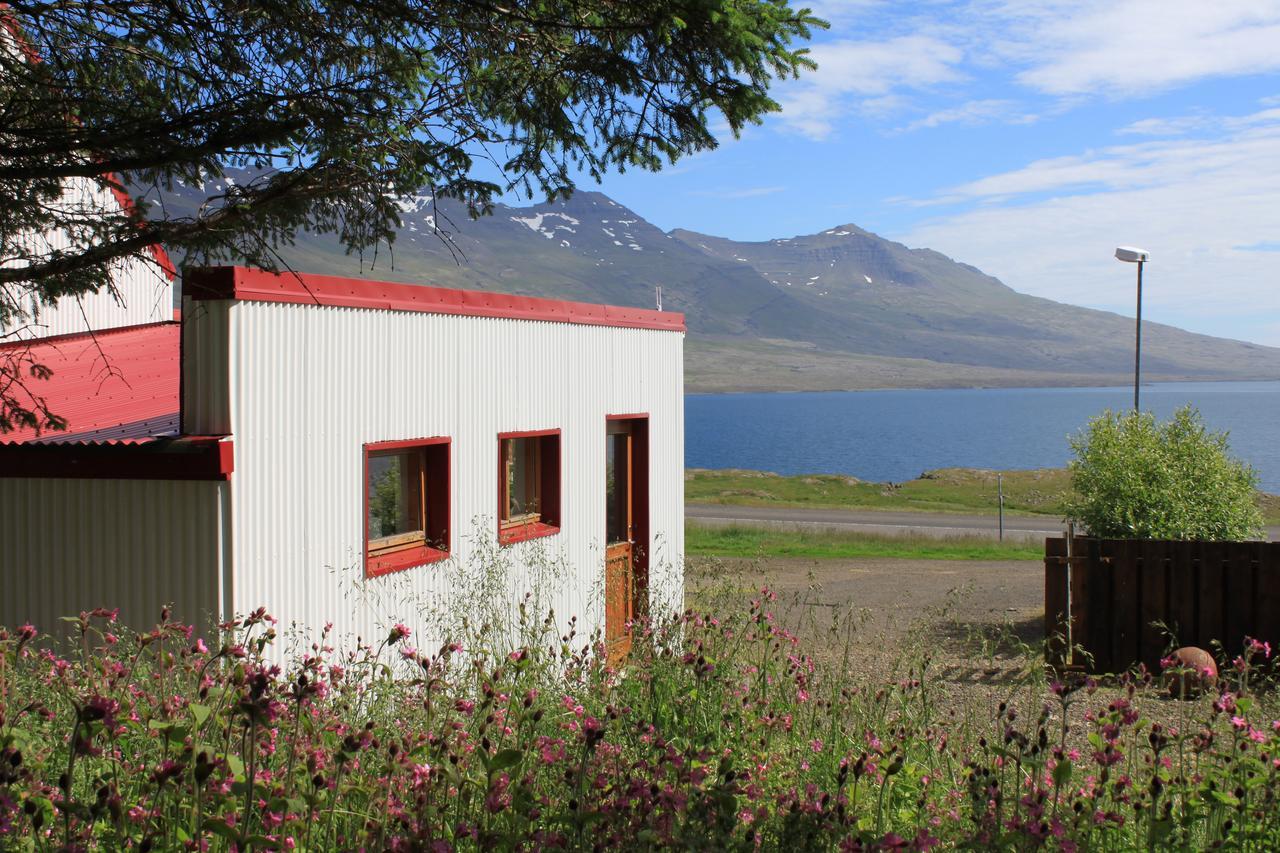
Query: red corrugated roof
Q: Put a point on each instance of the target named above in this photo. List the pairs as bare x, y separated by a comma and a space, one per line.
121, 385
257, 285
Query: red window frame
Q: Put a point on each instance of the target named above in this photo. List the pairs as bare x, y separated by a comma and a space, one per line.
437, 458
548, 520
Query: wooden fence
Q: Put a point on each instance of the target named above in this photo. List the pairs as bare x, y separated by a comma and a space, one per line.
1201, 591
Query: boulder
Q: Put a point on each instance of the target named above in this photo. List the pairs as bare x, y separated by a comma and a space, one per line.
1189, 671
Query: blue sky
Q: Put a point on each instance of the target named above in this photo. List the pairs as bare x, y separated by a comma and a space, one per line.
1027, 138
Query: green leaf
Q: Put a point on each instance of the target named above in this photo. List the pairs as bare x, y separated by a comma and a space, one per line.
504, 759
200, 712
235, 765
218, 827
1062, 773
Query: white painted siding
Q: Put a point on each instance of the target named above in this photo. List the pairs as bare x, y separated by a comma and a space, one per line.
143, 292
68, 545
310, 385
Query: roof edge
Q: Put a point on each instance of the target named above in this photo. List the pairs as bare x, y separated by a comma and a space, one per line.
87, 335
256, 285
207, 458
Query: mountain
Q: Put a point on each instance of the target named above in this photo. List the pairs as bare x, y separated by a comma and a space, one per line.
843, 309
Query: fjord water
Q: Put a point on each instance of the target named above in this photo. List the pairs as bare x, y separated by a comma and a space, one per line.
896, 435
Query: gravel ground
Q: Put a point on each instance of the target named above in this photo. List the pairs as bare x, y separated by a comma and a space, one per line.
981, 623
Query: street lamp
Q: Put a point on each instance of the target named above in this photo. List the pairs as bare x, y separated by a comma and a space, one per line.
1130, 255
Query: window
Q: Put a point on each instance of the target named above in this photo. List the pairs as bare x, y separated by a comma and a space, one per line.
406, 499
528, 485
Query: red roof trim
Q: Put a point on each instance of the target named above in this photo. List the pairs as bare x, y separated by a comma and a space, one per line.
187, 458
130, 207
306, 289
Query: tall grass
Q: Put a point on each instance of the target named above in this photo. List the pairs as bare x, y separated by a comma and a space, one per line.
754, 541
720, 731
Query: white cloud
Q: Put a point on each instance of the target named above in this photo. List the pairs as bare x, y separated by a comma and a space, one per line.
1133, 46
1206, 210
744, 192
853, 73
1068, 50
838, 12
974, 112
1177, 126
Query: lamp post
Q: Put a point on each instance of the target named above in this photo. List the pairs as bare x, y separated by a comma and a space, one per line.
1130, 255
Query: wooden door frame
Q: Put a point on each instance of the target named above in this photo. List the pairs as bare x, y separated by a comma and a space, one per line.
639, 486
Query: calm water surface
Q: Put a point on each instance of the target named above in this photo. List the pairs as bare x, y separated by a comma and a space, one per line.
895, 435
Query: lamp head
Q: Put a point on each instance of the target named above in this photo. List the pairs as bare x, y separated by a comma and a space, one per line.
1132, 255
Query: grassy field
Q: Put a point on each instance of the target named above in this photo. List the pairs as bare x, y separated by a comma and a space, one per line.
962, 490
745, 541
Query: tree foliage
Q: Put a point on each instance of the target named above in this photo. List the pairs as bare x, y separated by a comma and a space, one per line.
339, 108
1139, 478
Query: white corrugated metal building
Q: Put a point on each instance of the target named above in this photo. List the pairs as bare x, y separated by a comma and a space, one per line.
363, 453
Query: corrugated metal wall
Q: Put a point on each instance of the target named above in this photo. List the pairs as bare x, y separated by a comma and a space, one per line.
144, 291
69, 545
310, 385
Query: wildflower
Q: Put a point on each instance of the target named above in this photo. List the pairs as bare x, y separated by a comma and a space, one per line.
498, 798
398, 633
420, 774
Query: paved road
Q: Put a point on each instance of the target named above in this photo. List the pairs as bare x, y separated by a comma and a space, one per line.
878, 521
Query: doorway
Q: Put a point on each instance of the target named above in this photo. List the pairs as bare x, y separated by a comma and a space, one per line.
626, 528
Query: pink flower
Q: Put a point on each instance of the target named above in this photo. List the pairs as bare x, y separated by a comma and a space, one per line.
398, 633
1238, 722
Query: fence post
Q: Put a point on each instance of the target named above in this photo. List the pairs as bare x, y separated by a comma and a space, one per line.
1000, 491
1071, 641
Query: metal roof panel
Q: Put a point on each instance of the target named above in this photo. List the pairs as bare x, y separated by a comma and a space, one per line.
115, 385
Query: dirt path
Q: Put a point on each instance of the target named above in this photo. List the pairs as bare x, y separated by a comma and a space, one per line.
942, 524
894, 595
979, 625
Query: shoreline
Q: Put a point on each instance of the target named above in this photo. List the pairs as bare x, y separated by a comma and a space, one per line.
1078, 386
1028, 493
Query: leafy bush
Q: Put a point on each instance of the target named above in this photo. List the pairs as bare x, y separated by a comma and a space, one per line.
720, 734
1138, 478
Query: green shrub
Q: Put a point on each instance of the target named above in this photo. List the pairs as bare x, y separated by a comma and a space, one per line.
1139, 478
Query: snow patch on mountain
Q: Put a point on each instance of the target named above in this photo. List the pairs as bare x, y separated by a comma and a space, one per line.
414, 203
534, 223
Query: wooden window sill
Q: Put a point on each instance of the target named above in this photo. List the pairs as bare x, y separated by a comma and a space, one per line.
399, 560
522, 532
